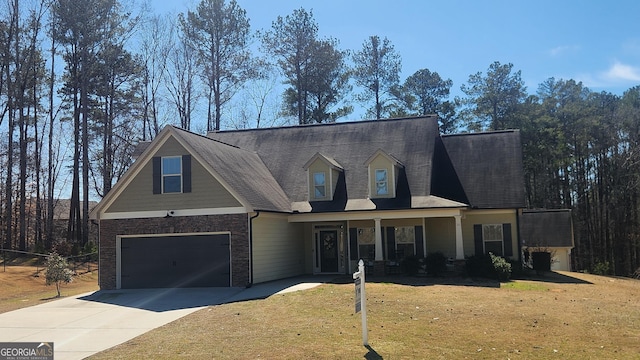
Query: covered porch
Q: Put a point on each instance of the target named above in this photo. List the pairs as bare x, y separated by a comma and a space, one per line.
337, 241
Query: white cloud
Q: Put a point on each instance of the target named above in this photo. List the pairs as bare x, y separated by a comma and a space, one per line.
563, 49
621, 72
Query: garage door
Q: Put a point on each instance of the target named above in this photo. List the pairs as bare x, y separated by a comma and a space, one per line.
175, 261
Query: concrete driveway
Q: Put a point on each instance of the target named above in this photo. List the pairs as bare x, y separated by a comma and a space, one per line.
83, 325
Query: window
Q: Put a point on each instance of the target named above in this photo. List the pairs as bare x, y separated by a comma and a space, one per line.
492, 236
172, 174
367, 243
382, 184
319, 185
405, 241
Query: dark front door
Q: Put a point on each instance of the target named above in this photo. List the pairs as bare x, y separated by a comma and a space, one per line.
175, 261
328, 250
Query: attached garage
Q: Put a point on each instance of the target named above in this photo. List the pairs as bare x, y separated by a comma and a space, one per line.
195, 260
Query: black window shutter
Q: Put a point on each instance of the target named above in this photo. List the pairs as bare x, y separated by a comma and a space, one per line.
477, 239
419, 242
157, 175
391, 243
506, 236
353, 243
186, 173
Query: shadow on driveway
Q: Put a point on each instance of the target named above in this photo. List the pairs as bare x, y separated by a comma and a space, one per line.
161, 300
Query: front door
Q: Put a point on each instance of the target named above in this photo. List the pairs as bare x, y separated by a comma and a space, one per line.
328, 250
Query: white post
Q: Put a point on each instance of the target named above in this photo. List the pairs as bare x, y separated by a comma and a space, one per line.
378, 237
363, 301
459, 242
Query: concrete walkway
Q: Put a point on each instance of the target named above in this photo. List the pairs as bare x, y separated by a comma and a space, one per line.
86, 324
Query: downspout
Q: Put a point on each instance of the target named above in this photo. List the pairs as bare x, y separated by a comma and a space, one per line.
251, 248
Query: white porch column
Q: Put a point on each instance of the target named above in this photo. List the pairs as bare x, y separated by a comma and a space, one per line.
378, 233
459, 243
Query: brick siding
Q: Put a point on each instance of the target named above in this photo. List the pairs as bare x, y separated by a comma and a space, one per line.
237, 224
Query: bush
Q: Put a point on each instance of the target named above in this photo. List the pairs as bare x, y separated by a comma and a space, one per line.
501, 267
436, 263
488, 266
602, 268
410, 265
479, 265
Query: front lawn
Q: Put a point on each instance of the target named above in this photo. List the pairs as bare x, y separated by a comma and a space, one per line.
577, 316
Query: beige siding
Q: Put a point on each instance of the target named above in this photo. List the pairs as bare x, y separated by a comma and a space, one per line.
379, 163
278, 248
561, 259
206, 191
488, 217
441, 236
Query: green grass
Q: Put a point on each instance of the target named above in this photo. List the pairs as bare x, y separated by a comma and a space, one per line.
525, 286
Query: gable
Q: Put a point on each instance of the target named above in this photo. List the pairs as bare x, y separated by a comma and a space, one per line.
206, 191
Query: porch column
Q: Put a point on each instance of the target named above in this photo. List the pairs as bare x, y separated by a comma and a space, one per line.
378, 233
459, 243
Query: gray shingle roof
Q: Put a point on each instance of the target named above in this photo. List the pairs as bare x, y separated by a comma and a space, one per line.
489, 167
243, 170
286, 150
546, 228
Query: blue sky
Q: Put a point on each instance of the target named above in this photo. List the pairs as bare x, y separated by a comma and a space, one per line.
596, 42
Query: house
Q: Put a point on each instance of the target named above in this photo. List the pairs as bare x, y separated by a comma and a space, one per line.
548, 231
239, 207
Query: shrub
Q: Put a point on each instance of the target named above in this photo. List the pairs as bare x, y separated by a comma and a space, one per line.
602, 268
488, 266
410, 265
501, 267
57, 271
479, 265
436, 263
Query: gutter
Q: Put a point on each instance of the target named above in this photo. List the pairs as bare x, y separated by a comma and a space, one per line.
251, 248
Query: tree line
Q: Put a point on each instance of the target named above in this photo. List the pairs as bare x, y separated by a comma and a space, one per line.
82, 82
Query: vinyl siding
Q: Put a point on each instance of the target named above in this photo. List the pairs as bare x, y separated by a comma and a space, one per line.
278, 248
206, 192
441, 236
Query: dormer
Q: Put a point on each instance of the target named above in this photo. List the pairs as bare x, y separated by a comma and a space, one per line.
322, 177
383, 170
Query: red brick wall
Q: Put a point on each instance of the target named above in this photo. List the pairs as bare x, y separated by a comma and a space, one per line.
237, 224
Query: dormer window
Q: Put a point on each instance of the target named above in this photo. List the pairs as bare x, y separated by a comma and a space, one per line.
383, 172
382, 182
322, 176
319, 185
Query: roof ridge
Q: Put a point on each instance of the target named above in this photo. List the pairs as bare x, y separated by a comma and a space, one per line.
326, 124
207, 138
490, 132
